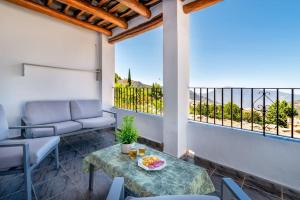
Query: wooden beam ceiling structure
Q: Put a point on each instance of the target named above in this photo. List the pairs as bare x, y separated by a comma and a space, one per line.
59, 15
144, 27
97, 15
137, 7
198, 5
109, 17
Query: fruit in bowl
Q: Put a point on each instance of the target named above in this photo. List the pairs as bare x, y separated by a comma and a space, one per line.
152, 162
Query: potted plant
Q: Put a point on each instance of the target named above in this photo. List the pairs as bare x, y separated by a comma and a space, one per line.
128, 134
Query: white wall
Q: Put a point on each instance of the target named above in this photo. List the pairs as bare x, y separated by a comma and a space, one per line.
273, 159
149, 126
28, 36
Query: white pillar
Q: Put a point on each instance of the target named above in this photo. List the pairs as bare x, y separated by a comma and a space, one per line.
107, 75
176, 77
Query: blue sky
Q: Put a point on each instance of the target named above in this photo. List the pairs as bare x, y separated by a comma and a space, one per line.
238, 43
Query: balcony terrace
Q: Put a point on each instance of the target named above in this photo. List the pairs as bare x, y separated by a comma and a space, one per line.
57, 85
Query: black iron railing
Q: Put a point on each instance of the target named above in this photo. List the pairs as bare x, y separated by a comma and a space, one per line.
145, 99
266, 110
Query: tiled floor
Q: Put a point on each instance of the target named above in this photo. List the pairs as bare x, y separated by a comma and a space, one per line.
69, 182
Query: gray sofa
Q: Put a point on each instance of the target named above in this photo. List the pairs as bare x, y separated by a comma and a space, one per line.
65, 117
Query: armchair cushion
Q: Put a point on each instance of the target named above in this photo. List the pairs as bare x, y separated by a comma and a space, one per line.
38, 148
177, 197
61, 128
97, 122
45, 112
3, 124
82, 109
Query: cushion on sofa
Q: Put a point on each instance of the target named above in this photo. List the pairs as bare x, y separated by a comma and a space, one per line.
97, 122
45, 112
38, 148
61, 128
83, 109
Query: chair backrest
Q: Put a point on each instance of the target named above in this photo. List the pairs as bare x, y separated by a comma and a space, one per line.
83, 109
46, 112
3, 124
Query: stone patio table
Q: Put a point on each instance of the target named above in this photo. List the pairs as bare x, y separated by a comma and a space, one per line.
177, 178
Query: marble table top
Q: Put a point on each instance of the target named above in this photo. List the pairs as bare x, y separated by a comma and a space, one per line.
177, 178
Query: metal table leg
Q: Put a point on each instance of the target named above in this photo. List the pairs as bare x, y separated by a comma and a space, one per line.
91, 180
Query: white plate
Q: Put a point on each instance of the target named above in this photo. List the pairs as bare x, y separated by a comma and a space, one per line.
140, 164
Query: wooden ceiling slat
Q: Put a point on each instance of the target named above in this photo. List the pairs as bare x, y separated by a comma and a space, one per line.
49, 2
67, 8
79, 14
151, 2
91, 18
137, 7
101, 22
149, 25
115, 8
53, 13
102, 2
198, 5
98, 12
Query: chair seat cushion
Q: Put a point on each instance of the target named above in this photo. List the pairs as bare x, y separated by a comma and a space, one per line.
177, 197
38, 148
97, 122
61, 128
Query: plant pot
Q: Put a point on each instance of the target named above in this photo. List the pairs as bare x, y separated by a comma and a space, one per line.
125, 148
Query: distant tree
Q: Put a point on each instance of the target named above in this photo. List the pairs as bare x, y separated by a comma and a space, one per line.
284, 111
236, 111
257, 117
117, 78
129, 78
156, 91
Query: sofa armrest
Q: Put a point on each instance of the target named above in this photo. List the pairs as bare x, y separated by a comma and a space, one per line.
25, 148
34, 126
116, 191
111, 112
231, 190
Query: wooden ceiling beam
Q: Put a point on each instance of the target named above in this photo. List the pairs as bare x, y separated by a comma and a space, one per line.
144, 27
102, 2
53, 13
198, 5
137, 7
98, 12
79, 14
101, 22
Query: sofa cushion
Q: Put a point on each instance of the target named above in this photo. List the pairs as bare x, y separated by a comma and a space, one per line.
45, 112
82, 109
177, 197
61, 128
3, 124
38, 148
97, 122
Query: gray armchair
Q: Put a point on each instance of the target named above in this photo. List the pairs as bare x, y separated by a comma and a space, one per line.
23, 155
230, 191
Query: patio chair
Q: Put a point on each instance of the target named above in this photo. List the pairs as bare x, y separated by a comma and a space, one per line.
23, 155
230, 190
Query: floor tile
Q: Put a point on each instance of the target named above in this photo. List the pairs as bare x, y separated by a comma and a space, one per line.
257, 194
54, 187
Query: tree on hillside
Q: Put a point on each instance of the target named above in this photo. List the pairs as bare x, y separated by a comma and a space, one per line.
117, 78
284, 111
129, 78
156, 91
